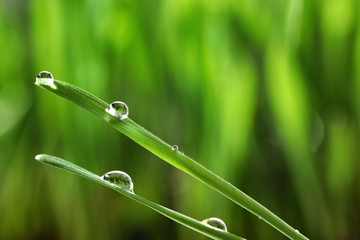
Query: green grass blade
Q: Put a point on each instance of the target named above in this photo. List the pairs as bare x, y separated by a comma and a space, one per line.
178, 217
163, 150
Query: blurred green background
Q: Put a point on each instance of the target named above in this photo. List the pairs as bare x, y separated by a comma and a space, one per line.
264, 93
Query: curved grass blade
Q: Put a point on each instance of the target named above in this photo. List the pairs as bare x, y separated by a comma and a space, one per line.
163, 150
178, 217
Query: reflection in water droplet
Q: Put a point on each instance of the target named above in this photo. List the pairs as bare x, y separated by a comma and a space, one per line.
216, 223
175, 148
118, 109
45, 78
121, 179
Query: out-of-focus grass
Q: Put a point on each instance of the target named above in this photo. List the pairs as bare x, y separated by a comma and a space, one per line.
236, 85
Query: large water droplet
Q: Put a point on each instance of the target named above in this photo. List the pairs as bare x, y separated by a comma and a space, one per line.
175, 148
121, 179
216, 223
45, 78
118, 109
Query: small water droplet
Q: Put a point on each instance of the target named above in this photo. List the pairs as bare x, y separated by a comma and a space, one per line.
297, 231
118, 109
260, 218
175, 148
121, 179
216, 223
45, 78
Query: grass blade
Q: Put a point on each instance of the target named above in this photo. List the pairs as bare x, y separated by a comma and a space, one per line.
163, 150
178, 217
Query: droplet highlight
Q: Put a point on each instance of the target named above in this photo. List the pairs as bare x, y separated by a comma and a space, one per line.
175, 148
297, 231
120, 179
216, 223
45, 78
118, 109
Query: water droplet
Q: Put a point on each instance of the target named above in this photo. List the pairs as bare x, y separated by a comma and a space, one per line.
297, 231
45, 78
175, 148
121, 179
216, 223
260, 218
118, 109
